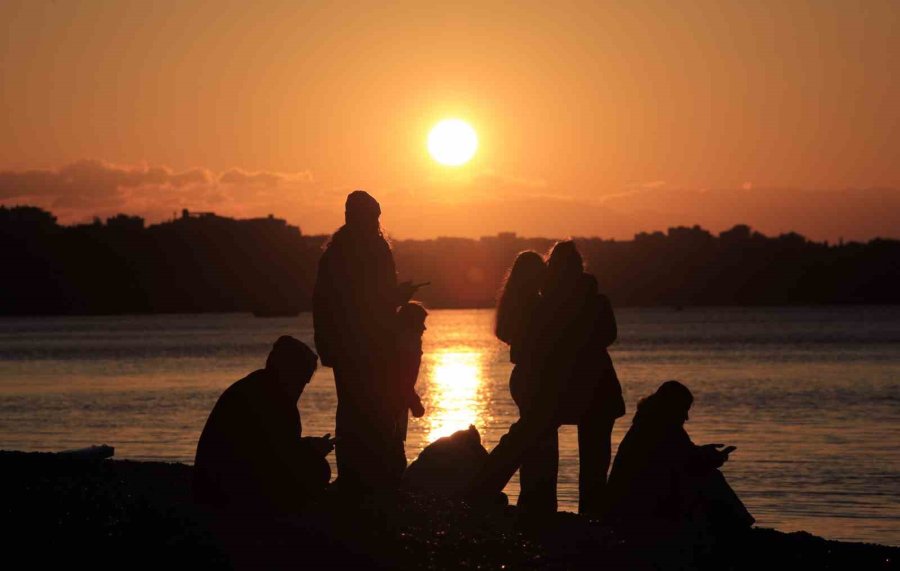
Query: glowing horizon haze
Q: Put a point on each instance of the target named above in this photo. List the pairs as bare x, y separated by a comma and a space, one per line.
592, 119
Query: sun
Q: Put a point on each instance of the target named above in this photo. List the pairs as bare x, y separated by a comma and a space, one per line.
452, 142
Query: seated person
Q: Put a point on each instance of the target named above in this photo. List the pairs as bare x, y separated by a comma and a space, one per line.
446, 466
661, 482
250, 455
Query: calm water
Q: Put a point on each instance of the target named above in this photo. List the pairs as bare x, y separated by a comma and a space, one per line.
811, 397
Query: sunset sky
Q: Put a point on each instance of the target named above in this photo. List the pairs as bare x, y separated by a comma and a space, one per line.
593, 118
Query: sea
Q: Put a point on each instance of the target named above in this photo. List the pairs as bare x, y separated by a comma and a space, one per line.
809, 395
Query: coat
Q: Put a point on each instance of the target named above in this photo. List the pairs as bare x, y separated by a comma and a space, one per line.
251, 454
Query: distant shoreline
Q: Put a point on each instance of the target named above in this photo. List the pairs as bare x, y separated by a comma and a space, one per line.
459, 308
202, 262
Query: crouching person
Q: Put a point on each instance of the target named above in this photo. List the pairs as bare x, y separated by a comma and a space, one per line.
251, 456
662, 485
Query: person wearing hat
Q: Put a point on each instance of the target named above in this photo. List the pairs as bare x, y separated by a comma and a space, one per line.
355, 300
250, 456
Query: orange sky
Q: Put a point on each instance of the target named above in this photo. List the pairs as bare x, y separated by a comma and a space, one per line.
594, 118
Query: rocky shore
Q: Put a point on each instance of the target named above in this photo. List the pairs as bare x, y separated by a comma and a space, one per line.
104, 513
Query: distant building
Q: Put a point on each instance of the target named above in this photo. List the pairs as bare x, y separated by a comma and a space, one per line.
125, 222
504, 237
266, 223
187, 214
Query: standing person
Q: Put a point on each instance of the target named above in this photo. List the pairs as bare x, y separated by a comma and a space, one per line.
594, 379
516, 310
574, 383
408, 359
355, 299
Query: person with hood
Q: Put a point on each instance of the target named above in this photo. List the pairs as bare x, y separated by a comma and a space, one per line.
251, 456
663, 483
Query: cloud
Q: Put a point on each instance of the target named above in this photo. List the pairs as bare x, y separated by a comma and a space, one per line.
267, 179
490, 205
484, 204
858, 214
78, 191
92, 178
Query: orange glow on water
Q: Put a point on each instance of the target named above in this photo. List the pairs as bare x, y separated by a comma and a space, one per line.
455, 380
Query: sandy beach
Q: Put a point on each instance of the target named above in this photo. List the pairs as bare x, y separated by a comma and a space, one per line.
111, 513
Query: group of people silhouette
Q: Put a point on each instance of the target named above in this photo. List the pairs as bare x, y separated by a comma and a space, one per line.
558, 326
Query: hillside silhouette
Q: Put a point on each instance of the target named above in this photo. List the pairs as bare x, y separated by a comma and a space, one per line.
201, 262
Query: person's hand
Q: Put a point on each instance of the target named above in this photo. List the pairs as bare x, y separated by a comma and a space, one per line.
405, 291
717, 456
322, 444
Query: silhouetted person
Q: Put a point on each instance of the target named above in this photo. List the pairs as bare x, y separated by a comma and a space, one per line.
404, 364
516, 313
593, 400
407, 361
568, 379
662, 484
516, 310
355, 300
446, 466
251, 456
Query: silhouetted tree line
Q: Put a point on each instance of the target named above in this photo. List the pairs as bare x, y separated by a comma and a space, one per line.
201, 262
195, 263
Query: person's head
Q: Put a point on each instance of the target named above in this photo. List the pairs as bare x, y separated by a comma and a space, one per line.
564, 265
292, 363
669, 405
523, 281
526, 275
411, 318
361, 212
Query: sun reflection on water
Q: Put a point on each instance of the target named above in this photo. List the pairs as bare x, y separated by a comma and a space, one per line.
454, 383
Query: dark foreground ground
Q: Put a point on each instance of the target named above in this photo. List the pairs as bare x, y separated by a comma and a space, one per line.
119, 514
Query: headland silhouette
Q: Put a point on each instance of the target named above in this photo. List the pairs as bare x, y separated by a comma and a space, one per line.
209, 263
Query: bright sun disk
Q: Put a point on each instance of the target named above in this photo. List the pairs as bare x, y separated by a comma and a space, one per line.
452, 142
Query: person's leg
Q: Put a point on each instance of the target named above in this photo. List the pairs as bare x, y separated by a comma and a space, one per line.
352, 450
538, 475
506, 457
540, 462
394, 458
594, 450
347, 450
368, 460
724, 509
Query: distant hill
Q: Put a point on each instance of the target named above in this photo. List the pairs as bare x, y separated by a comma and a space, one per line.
202, 262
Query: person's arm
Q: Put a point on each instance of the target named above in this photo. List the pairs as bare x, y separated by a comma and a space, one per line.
700, 459
307, 470
605, 329
389, 291
323, 311
414, 403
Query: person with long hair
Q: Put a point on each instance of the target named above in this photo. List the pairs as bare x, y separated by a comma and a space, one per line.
355, 299
662, 483
570, 380
516, 311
